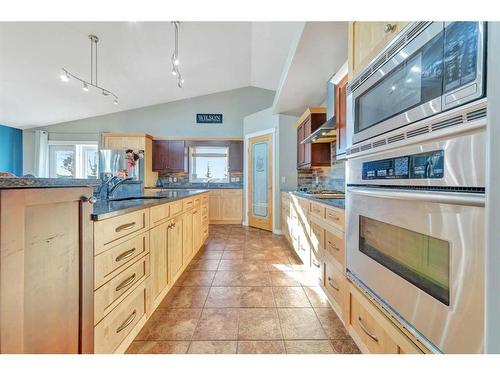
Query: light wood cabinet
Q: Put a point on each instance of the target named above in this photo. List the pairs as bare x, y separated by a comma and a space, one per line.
134, 141
158, 239
197, 231
46, 263
187, 237
366, 40
225, 206
174, 240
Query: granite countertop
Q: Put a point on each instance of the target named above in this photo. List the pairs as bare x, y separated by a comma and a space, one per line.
202, 186
105, 209
35, 182
336, 202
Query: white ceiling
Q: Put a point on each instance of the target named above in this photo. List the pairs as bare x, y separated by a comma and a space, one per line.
318, 52
134, 63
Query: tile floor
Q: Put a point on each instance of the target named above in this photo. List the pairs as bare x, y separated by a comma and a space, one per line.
245, 292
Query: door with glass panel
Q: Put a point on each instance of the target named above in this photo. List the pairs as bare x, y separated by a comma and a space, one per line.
260, 201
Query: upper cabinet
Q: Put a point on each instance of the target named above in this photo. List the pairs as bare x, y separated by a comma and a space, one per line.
366, 40
134, 141
169, 156
236, 156
311, 155
340, 117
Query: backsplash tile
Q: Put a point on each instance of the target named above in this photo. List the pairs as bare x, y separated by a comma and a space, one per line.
181, 179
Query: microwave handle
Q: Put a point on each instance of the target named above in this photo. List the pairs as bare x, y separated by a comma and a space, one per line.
460, 199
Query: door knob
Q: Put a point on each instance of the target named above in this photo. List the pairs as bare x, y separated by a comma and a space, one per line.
389, 28
90, 199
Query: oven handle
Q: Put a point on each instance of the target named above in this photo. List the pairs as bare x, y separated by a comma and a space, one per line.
460, 199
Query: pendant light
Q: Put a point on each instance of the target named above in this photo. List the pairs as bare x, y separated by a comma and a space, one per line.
66, 75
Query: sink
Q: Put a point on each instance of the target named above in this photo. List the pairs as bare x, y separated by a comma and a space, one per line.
135, 198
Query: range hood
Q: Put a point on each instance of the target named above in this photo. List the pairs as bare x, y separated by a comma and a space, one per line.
326, 133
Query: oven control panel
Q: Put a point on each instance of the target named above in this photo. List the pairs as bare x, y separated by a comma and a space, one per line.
417, 166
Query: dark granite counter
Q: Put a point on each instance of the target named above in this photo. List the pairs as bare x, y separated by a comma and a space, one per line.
337, 202
105, 209
35, 182
198, 186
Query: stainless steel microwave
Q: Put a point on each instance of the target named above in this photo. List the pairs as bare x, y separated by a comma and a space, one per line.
429, 68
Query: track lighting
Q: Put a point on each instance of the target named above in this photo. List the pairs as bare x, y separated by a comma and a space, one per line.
66, 75
175, 56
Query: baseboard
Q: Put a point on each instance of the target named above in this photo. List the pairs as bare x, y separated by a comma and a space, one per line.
245, 223
279, 232
225, 222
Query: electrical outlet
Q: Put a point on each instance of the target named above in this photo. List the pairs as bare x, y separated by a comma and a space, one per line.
283, 180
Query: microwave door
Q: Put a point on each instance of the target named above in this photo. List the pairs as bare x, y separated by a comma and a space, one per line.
405, 89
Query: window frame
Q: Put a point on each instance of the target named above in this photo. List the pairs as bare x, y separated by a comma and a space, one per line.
192, 162
79, 152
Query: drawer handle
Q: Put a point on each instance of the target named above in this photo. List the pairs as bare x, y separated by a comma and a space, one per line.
334, 217
365, 330
125, 226
316, 264
126, 283
332, 284
127, 322
125, 255
333, 245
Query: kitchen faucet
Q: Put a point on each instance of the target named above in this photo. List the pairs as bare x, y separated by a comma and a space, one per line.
109, 185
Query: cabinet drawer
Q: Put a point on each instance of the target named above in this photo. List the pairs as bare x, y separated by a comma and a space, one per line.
317, 268
115, 327
176, 207
106, 231
305, 205
187, 204
204, 199
318, 210
317, 237
106, 297
335, 217
367, 323
197, 201
334, 245
109, 263
231, 192
336, 284
159, 214
215, 192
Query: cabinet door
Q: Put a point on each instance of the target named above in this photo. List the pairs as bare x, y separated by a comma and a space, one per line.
306, 158
175, 258
367, 39
236, 156
160, 155
197, 230
187, 237
232, 208
340, 118
158, 248
45, 256
214, 208
300, 147
177, 159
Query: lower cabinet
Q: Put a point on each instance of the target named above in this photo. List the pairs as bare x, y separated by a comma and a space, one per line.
135, 272
226, 206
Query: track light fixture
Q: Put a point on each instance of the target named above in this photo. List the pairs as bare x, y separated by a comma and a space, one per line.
175, 56
66, 76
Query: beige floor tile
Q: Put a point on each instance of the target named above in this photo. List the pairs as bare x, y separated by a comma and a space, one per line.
217, 324
170, 324
204, 265
257, 296
331, 323
316, 296
259, 324
185, 297
196, 278
284, 278
290, 296
229, 296
347, 346
158, 347
261, 347
300, 323
235, 278
309, 347
232, 255
209, 255
234, 247
213, 347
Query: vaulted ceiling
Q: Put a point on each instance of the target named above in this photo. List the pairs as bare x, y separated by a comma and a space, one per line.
134, 62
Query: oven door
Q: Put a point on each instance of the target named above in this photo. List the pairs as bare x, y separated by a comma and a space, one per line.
421, 253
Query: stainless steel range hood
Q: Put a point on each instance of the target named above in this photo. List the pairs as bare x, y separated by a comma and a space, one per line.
326, 133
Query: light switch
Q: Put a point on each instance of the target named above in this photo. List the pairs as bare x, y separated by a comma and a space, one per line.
283, 180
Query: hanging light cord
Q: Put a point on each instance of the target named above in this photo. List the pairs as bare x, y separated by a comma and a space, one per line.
175, 56
66, 75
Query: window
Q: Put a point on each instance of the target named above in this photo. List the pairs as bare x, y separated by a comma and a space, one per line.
208, 163
73, 160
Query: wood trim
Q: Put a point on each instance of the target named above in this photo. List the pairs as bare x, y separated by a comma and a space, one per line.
308, 112
200, 139
106, 134
252, 221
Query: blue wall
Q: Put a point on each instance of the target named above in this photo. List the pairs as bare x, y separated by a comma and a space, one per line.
11, 150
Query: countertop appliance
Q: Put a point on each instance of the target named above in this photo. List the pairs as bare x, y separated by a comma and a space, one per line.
429, 68
415, 227
112, 162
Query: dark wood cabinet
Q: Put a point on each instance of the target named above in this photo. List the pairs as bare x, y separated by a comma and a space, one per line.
310, 155
340, 117
169, 156
236, 156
